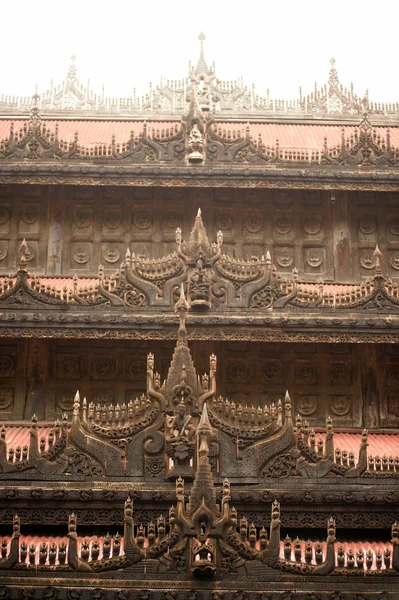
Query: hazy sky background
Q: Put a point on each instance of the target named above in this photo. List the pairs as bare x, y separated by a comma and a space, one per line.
123, 44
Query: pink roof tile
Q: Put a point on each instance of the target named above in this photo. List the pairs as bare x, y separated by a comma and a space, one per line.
290, 135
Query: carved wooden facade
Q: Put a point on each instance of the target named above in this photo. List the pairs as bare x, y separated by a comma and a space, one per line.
161, 288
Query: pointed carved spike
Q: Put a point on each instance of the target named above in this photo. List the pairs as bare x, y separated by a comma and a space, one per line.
204, 425
182, 304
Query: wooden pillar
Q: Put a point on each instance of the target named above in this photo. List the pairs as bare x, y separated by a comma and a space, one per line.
341, 236
56, 230
370, 386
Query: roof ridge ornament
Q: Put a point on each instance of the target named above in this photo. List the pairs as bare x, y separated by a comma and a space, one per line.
202, 67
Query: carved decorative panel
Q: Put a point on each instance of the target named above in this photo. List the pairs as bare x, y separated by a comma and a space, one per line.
24, 215
357, 385
295, 227
10, 369
322, 379
375, 220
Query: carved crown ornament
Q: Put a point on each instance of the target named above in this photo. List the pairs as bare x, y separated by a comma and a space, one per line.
157, 437
227, 98
213, 282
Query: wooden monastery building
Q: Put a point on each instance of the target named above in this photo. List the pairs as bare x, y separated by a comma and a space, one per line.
199, 353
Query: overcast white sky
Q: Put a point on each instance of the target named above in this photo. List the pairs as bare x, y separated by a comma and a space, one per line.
276, 44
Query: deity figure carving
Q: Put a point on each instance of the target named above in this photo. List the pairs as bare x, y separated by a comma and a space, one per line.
199, 285
180, 445
195, 145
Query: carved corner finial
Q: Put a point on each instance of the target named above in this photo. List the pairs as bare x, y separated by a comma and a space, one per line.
76, 404
331, 530
128, 509
16, 524
182, 305
204, 426
72, 523
150, 362
212, 363
36, 98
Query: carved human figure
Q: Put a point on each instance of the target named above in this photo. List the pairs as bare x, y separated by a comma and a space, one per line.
179, 427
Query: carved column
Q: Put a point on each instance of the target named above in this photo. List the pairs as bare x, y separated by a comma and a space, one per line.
371, 390
56, 229
341, 235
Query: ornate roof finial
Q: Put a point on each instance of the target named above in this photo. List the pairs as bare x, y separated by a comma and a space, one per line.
202, 67
36, 97
72, 68
333, 80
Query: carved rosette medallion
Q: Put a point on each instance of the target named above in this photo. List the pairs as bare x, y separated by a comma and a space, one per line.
136, 370
111, 253
393, 226
7, 365
314, 257
172, 220
6, 398
4, 214
142, 219
103, 397
393, 404
83, 217
393, 374
312, 225
394, 261
237, 371
312, 197
272, 371
30, 214
81, 254
306, 404
367, 224
306, 374
340, 374
283, 226
68, 367
367, 260
340, 405
282, 198
65, 400
104, 367
253, 223
223, 221
112, 217
284, 257
3, 250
